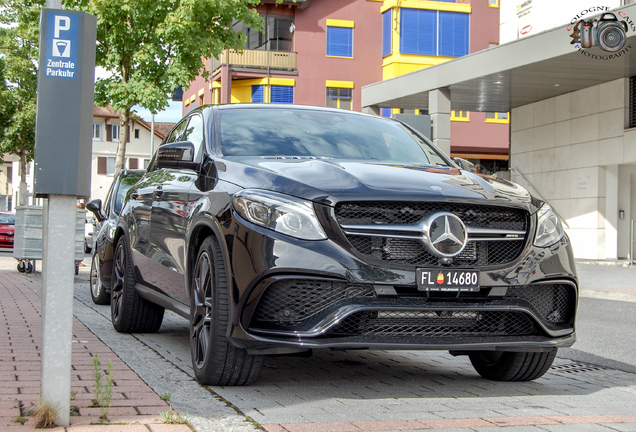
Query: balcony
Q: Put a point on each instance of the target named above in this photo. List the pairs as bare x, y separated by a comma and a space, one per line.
257, 59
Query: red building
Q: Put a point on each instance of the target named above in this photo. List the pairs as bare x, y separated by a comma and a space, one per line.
322, 52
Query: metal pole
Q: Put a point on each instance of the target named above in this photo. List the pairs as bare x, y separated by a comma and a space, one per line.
58, 269
631, 243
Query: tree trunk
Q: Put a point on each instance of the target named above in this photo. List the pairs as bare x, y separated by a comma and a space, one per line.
120, 158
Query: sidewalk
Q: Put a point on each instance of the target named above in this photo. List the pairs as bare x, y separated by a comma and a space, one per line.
135, 407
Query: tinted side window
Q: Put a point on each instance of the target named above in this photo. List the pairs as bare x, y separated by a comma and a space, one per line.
194, 134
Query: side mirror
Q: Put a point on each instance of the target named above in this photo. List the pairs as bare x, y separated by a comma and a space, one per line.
95, 207
177, 155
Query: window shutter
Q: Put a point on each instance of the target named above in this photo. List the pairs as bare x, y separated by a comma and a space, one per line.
387, 32
128, 136
109, 132
340, 41
418, 31
101, 165
258, 93
282, 94
133, 163
454, 34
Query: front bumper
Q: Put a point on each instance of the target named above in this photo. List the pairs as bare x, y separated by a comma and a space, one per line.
292, 295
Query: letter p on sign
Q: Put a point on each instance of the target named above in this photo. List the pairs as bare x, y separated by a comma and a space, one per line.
62, 23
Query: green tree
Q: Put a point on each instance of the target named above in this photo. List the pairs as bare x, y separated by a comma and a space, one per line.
19, 36
150, 47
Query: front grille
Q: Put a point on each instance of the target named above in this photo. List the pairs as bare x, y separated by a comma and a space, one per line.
437, 323
404, 251
411, 251
406, 213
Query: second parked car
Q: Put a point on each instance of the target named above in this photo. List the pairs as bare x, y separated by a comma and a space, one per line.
106, 215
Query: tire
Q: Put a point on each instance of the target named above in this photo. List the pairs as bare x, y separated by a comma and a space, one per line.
99, 294
128, 311
512, 366
87, 249
214, 359
29, 267
21, 266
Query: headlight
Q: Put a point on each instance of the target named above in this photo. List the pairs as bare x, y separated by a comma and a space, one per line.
549, 229
281, 213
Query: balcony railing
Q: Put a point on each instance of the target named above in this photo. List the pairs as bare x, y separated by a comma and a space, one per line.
257, 59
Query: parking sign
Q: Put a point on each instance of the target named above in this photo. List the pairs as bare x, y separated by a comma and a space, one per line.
61, 45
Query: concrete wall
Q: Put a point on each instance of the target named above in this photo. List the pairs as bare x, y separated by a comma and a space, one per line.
575, 151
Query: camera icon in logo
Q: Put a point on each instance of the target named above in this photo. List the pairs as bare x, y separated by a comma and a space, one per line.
608, 33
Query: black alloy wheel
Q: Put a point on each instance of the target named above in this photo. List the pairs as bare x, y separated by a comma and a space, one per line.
512, 366
215, 360
128, 311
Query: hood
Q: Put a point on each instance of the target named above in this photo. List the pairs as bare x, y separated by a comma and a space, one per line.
330, 181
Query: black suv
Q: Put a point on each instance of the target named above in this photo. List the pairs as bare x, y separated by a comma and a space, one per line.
278, 229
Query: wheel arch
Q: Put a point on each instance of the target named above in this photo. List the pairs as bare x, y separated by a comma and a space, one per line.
204, 227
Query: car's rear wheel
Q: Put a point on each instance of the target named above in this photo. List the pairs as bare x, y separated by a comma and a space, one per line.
99, 294
512, 366
215, 360
128, 311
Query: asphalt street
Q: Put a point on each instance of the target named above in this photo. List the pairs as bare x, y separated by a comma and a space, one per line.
591, 385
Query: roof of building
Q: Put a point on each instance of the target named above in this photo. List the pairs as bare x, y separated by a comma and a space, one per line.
514, 74
161, 128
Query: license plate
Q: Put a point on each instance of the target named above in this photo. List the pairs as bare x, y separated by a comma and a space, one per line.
447, 280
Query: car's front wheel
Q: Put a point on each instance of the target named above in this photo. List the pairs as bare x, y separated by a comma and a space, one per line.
128, 311
215, 360
98, 293
512, 366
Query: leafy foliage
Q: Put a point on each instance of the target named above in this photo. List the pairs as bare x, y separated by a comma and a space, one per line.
150, 47
19, 34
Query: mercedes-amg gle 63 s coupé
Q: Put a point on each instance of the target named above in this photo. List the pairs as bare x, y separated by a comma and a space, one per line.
280, 229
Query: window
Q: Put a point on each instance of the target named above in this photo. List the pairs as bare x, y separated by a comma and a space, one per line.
493, 3
282, 94
277, 33
112, 132
339, 98
194, 134
632, 102
497, 117
97, 131
105, 165
133, 163
387, 33
460, 116
137, 132
146, 163
431, 32
340, 38
258, 93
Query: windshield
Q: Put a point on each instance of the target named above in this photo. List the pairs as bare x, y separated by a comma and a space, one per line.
7, 219
325, 134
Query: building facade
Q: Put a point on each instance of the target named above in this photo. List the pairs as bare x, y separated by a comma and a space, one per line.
322, 52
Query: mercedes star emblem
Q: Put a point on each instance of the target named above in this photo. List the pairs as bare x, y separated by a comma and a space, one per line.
447, 235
